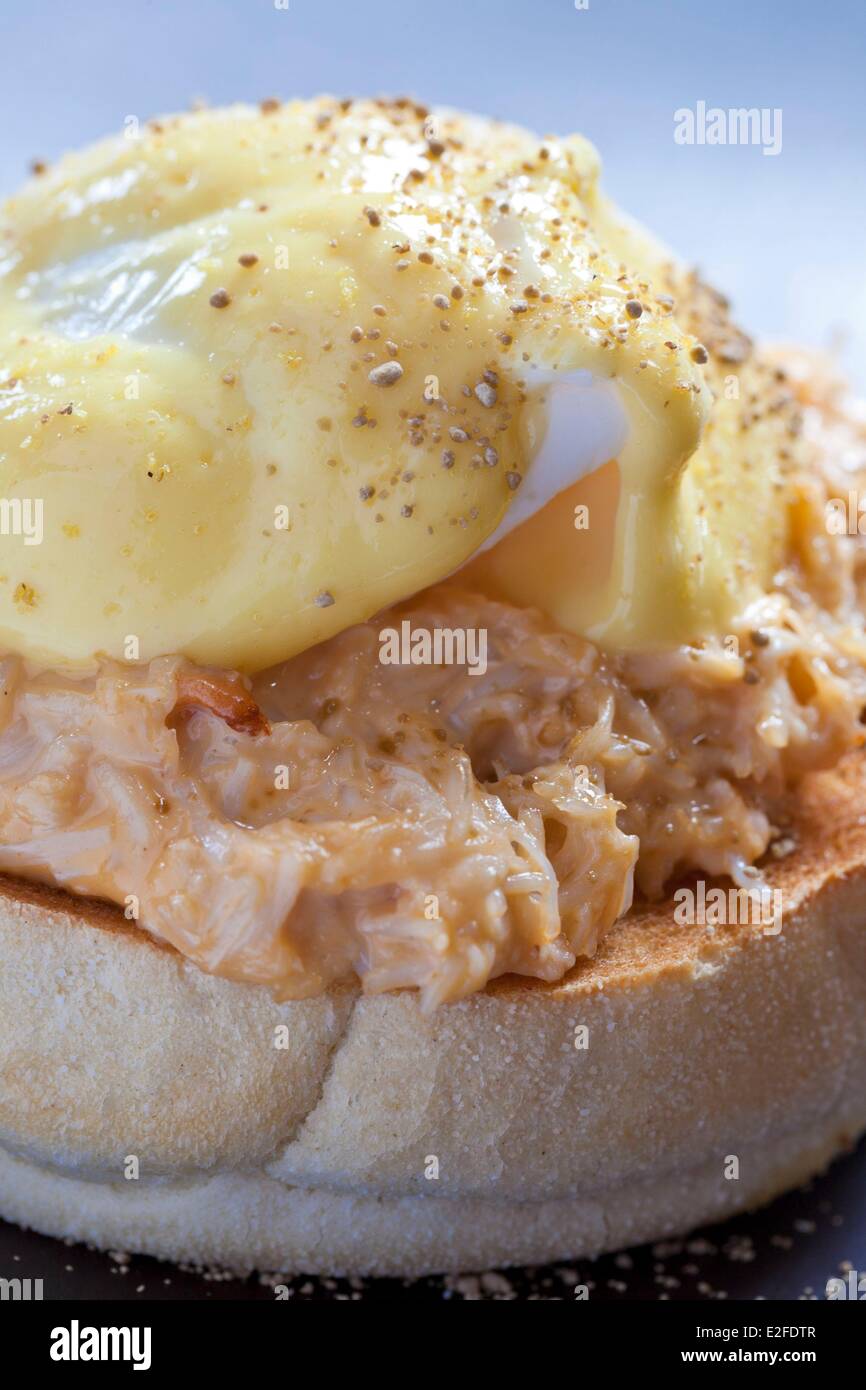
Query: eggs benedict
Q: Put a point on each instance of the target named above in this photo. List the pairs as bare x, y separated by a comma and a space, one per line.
315, 401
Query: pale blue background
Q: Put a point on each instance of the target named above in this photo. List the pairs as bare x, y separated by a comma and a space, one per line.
785, 235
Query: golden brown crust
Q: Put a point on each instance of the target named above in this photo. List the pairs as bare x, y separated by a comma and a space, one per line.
703, 1044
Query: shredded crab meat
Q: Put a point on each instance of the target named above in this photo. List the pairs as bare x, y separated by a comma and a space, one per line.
222, 695
421, 826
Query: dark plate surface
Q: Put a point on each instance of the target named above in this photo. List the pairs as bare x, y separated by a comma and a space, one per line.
786, 1251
